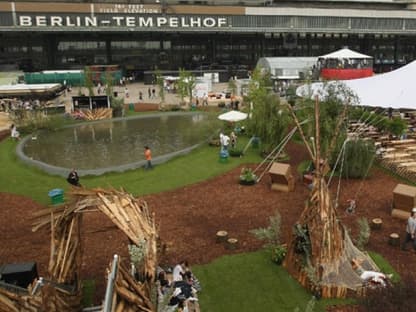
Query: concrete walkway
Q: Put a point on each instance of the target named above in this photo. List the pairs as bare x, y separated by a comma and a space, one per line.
5, 121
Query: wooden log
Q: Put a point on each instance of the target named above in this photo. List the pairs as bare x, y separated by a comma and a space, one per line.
400, 214
221, 236
9, 304
135, 286
394, 239
120, 306
231, 244
130, 297
376, 223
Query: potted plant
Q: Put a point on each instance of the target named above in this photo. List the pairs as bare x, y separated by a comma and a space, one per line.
279, 253
247, 177
234, 152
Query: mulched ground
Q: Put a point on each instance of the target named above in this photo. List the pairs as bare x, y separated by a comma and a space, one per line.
189, 218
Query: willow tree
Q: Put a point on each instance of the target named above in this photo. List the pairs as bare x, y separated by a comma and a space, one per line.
186, 84
321, 251
160, 83
268, 117
89, 83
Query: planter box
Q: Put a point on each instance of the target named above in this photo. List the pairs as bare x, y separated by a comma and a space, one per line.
244, 182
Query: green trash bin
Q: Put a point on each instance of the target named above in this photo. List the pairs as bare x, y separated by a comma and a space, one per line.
131, 107
56, 196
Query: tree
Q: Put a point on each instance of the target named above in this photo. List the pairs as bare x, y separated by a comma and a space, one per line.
357, 157
160, 82
268, 118
335, 100
186, 84
116, 103
321, 250
232, 86
89, 84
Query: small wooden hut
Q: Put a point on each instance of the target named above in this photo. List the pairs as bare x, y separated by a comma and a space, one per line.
281, 177
404, 197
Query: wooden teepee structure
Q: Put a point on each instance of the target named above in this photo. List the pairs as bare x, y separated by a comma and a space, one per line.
321, 251
62, 291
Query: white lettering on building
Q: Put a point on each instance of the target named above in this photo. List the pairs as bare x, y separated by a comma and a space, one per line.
122, 21
25, 21
41, 21
91, 21
209, 22
145, 22
56, 21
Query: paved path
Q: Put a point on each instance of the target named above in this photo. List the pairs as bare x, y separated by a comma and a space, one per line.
5, 122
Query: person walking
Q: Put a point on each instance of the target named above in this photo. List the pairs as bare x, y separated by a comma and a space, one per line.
148, 156
410, 231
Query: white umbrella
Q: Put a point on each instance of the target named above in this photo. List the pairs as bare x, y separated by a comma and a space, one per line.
233, 116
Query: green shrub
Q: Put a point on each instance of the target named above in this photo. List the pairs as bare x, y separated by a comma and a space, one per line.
357, 160
363, 234
270, 234
247, 175
279, 253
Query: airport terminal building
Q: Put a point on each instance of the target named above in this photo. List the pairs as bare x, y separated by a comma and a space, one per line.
143, 35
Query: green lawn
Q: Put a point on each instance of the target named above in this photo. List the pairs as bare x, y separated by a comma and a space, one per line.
251, 282
199, 165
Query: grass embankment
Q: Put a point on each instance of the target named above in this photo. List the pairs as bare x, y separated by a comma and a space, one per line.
199, 165
252, 282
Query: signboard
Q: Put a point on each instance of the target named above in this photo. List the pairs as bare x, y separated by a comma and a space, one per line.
129, 20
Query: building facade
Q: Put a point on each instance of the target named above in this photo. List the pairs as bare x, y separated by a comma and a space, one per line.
201, 34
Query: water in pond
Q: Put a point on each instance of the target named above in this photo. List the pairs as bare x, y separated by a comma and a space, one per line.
114, 143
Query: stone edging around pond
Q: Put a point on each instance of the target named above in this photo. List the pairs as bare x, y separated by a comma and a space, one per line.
61, 171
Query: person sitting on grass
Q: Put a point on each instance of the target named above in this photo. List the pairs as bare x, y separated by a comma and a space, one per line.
73, 178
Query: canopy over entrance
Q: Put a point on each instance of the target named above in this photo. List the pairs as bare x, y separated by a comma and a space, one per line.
394, 89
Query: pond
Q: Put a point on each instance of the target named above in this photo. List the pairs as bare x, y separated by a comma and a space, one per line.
117, 145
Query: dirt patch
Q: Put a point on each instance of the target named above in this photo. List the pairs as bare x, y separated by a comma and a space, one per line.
189, 218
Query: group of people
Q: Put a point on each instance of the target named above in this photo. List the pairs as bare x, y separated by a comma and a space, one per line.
181, 287
226, 140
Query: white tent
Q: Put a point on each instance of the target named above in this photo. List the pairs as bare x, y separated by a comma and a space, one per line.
233, 116
286, 67
395, 89
345, 54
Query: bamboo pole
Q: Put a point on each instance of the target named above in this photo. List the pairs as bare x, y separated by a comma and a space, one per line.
67, 246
